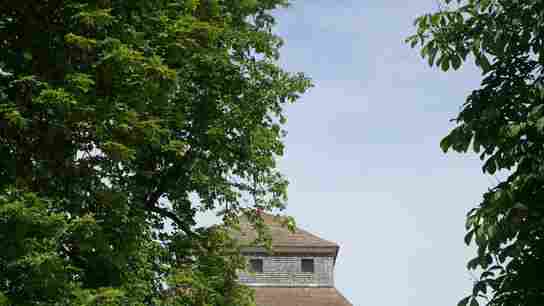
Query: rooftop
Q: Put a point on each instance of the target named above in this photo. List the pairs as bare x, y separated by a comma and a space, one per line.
276, 296
286, 241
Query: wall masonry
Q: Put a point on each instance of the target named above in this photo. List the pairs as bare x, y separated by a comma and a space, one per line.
285, 271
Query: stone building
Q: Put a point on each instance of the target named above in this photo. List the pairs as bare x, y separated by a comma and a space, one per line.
299, 272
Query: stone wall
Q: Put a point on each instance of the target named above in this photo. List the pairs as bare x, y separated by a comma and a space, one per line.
285, 271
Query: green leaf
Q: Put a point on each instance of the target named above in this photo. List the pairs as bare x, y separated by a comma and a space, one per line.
487, 274
425, 50
490, 165
445, 143
456, 62
118, 151
540, 125
483, 63
484, 5
468, 237
435, 19
476, 145
461, 138
464, 301
515, 129
445, 62
432, 55
536, 111
15, 118
473, 263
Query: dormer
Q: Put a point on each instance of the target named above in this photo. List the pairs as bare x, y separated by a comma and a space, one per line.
298, 259
298, 272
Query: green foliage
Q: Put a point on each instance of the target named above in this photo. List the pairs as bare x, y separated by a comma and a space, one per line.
503, 122
208, 275
119, 121
30, 235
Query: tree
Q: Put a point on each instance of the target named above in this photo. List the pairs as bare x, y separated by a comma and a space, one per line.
119, 121
503, 121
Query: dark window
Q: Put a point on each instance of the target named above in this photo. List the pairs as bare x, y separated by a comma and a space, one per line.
307, 265
256, 265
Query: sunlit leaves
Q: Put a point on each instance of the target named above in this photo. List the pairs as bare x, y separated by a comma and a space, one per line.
96, 18
80, 41
29, 238
14, 118
128, 117
118, 151
55, 97
81, 81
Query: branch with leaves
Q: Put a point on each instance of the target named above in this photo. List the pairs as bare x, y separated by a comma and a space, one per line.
110, 108
503, 122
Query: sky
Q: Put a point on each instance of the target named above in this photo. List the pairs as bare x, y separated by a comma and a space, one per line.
363, 154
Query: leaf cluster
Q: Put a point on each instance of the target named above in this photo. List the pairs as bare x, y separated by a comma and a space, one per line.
503, 122
119, 121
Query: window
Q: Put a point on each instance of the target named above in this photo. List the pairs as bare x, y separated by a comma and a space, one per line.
307, 265
256, 265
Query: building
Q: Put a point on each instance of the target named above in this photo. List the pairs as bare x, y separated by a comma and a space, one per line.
299, 272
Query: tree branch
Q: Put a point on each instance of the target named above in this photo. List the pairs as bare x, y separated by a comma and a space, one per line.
152, 200
151, 205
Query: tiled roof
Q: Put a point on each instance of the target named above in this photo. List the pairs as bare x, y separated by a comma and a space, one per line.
283, 240
274, 296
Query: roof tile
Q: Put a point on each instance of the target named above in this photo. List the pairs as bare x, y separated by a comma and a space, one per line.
282, 237
275, 296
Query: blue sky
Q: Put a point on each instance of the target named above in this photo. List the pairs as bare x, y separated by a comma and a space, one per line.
363, 152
